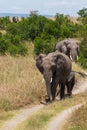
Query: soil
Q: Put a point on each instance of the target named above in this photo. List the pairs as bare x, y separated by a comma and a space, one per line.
11, 124
61, 119
57, 123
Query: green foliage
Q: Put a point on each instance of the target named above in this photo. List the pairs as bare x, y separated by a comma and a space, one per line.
12, 45
83, 54
82, 12
44, 44
12, 28
17, 50
66, 27
4, 21
4, 44
41, 30
83, 35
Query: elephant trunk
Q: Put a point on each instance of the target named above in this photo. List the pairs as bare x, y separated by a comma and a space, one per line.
48, 80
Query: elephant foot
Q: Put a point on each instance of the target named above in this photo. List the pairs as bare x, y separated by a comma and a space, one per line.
47, 100
68, 95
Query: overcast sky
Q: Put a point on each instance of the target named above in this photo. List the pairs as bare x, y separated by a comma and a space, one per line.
51, 7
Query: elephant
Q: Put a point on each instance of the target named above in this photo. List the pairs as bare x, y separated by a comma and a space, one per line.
55, 68
70, 47
70, 82
15, 19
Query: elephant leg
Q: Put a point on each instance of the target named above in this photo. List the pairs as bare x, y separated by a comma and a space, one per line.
70, 86
69, 92
73, 83
53, 87
62, 91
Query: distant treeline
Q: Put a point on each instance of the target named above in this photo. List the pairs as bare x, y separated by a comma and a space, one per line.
43, 32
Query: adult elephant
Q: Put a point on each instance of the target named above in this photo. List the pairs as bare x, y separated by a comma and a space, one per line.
70, 47
55, 68
15, 19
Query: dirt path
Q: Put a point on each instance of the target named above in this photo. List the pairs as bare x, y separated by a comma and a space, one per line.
56, 124
11, 124
59, 121
80, 87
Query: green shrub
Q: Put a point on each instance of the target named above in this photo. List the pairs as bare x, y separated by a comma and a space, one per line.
4, 44
83, 55
13, 50
17, 50
44, 45
22, 50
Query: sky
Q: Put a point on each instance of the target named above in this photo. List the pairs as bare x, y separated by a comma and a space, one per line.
44, 7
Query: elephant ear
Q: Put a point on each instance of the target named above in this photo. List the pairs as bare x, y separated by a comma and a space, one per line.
39, 61
64, 47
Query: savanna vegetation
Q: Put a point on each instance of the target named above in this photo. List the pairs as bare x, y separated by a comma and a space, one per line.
78, 120
20, 82
43, 32
40, 119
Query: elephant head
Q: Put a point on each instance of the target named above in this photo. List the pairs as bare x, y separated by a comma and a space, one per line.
70, 47
55, 68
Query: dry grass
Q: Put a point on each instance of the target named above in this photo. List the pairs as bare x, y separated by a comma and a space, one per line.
77, 68
3, 31
4, 116
20, 82
41, 119
78, 120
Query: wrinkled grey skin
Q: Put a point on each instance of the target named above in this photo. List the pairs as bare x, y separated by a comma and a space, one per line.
70, 47
69, 84
55, 68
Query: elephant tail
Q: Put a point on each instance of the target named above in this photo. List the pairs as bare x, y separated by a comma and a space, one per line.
81, 73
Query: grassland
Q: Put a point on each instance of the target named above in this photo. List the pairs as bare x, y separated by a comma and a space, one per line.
21, 85
40, 120
78, 120
4, 116
20, 81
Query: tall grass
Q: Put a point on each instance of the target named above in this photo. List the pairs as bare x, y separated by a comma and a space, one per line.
4, 116
20, 81
78, 120
41, 119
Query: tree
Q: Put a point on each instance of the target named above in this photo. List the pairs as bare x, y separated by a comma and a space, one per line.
82, 12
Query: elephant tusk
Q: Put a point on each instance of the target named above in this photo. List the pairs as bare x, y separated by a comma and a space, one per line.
51, 80
70, 57
77, 57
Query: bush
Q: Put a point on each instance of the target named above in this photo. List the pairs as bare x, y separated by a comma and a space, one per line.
4, 44
22, 50
17, 50
44, 45
83, 55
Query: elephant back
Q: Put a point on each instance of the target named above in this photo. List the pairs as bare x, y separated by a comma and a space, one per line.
66, 66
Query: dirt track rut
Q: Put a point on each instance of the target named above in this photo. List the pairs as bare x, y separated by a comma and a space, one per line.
11, 124
56, 124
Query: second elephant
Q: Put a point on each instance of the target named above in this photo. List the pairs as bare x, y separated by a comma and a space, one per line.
70, 47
